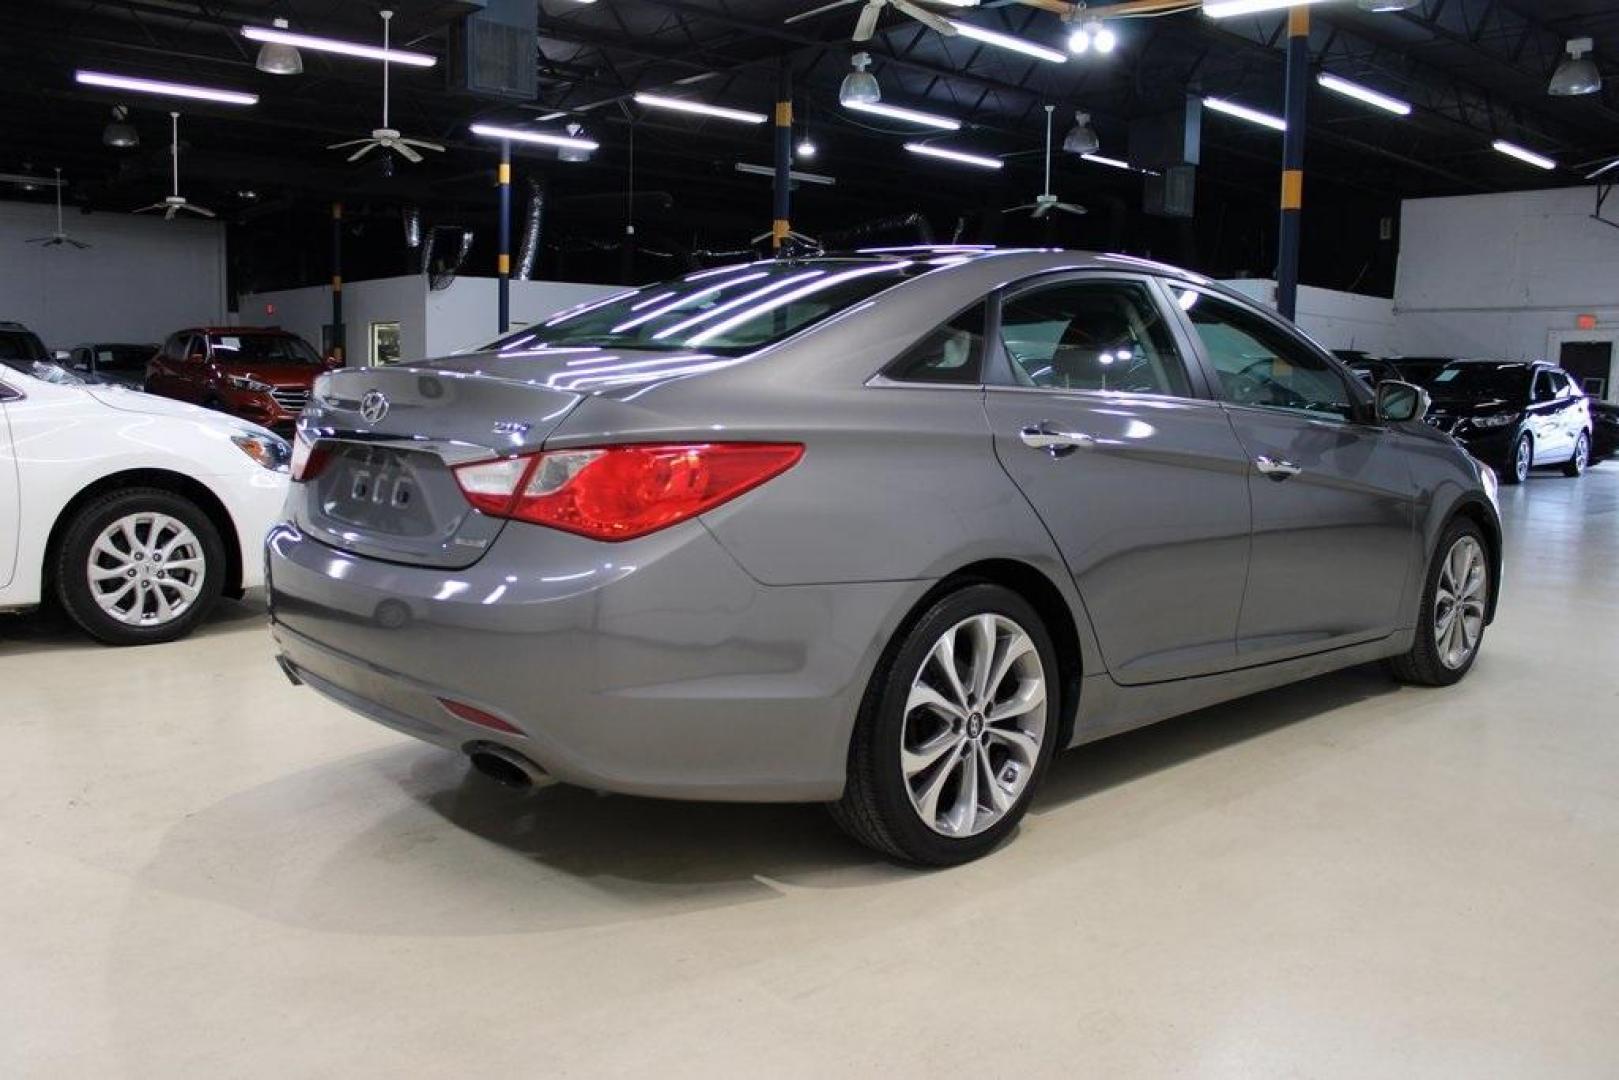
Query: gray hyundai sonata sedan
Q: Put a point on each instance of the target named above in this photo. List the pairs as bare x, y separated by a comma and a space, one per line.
884, 530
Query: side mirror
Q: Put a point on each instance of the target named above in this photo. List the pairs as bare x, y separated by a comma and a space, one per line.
197, 358
61, 356
333, 363
1402, 403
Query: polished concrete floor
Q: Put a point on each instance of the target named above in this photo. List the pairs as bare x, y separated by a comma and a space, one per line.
209, 873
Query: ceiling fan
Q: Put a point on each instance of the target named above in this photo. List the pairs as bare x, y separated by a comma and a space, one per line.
60, 236
1046, 202
386, 137
175, 203
866, 25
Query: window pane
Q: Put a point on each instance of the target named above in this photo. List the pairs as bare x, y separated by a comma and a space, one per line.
954, 353
1092, 336
1260, 364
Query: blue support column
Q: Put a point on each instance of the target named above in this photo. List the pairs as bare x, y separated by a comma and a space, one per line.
780, 224
503, 264
1298, 99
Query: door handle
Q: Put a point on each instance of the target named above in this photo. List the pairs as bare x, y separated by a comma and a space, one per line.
1043, 436
1276, 468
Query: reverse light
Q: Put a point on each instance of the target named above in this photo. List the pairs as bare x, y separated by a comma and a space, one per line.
622, 492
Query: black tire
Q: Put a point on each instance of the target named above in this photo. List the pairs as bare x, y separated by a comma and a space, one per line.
876, 807
1423, 664
72, 574
1521, 461
1575, 466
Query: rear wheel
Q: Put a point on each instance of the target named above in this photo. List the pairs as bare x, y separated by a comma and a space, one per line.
1455, 604
956, 731
1582, 457
139, 567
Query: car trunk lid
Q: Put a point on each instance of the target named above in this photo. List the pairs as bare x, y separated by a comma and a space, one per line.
387, 440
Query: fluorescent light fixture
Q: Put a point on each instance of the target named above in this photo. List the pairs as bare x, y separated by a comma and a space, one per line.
1243, 112
909, 116
766, 170
164, 89
658, 101
1007, 41
492, 131
1114, 163
1225, 9
1522, 154
277, 36
955, 155
1364, 93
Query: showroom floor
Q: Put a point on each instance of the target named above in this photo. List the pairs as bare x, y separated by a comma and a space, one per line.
209, 873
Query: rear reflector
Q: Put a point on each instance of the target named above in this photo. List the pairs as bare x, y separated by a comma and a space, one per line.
622, 492
477, 716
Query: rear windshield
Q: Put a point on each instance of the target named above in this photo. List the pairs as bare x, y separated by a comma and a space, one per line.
261, 349
20, 345
1466, 382
728, 311
123, 357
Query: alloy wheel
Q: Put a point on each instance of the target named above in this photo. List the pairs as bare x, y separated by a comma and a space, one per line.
146, 569
1459, 603
1523, 459
1582, 454
974, 725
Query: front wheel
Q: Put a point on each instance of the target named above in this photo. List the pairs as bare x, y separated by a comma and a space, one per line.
958, 725
1523, 459
1582, 457
139, 567
1455, 604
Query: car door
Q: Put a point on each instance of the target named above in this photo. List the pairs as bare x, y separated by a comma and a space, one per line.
1571, 415
10, 487
1106, 428
1545, 419
1334, 498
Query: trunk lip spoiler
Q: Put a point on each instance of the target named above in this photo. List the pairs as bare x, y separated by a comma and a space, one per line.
452, 452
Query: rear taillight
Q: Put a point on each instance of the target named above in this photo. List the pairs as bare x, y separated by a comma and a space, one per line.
308, 458
621, 492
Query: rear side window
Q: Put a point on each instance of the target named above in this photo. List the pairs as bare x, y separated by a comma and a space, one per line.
951, 355
1102, 335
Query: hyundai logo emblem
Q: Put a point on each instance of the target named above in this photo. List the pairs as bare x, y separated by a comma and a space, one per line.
374, 406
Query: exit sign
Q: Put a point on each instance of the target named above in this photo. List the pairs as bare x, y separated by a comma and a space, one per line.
1586, 322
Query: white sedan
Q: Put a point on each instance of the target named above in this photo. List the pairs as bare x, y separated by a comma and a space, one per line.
136, 512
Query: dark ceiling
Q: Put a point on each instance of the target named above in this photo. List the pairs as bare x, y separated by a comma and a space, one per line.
1475, 69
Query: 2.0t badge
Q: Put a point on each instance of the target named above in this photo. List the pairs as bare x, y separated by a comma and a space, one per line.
373, 406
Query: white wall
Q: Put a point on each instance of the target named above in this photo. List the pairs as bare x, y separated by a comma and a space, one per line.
1504, 275
141, 279
1338, 320
431, 323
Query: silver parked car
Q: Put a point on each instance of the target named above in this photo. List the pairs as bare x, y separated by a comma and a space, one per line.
885, 531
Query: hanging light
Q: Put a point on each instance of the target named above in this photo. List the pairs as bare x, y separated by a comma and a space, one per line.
860, 86
1388, 5
120, 132
279, 58
805, 148
1082, 138
1578, 73
575, 151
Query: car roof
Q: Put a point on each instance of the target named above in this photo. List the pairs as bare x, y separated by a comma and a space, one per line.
1056, 258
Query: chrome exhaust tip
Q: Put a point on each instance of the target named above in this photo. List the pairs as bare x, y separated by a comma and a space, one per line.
504, 766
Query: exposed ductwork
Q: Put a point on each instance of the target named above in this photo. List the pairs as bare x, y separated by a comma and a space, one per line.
528, 250
439, 277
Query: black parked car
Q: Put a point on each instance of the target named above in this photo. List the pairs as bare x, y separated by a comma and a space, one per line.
112, 363
1514, 416
1604, 429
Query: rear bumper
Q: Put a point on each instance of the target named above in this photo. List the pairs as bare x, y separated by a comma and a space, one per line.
656, 667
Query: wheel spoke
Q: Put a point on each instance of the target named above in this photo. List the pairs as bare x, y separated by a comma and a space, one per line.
1031, 694
1021, 743
188, 592
944, 657
925, 696
1017, 647
916, 761
964, 814
927, 799
984, 641
1000, 799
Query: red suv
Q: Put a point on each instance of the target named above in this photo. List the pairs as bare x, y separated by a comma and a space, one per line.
258, 373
